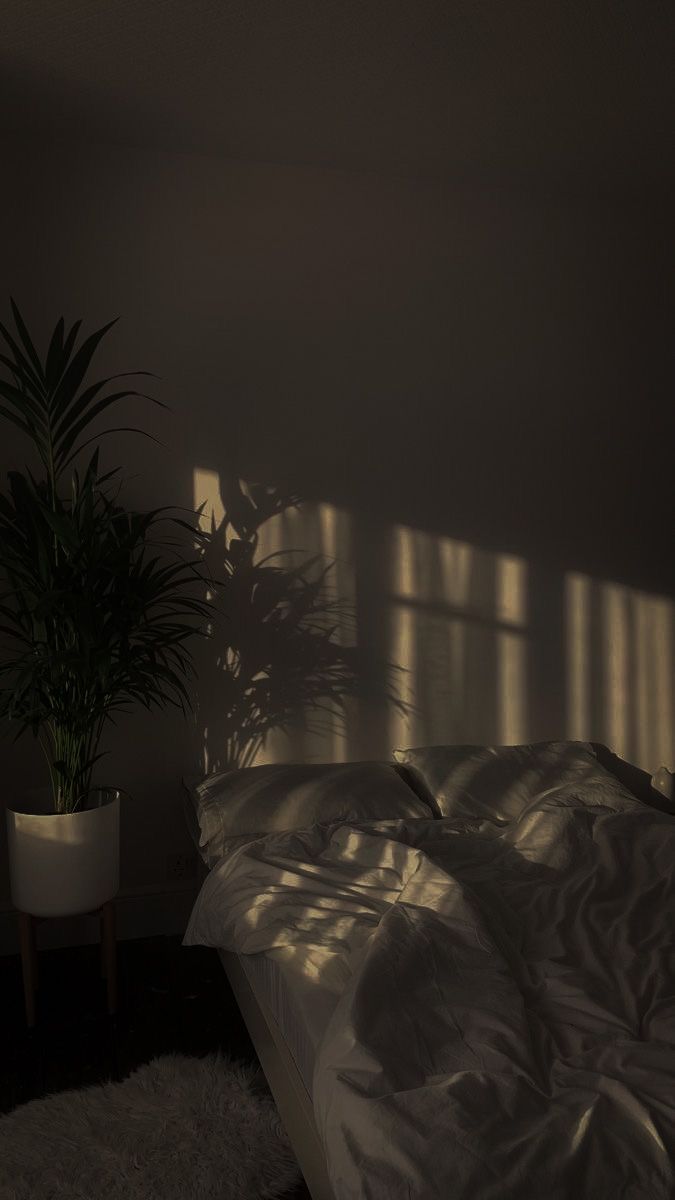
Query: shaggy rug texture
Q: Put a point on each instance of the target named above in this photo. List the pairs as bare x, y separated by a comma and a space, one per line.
177, 1129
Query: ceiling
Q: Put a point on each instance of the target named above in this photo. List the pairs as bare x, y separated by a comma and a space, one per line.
575, 90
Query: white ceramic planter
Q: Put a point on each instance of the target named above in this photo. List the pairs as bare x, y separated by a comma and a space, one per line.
61, 864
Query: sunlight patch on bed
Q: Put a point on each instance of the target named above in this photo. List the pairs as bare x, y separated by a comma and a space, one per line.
581, 1128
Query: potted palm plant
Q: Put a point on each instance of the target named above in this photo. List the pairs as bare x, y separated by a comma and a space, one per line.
97, 603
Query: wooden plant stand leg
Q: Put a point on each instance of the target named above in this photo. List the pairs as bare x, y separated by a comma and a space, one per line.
28, 964
109, 953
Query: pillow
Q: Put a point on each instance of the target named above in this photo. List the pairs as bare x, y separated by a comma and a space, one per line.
498, 782
234, 806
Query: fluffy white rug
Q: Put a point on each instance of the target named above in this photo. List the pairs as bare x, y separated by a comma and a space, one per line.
177, 1129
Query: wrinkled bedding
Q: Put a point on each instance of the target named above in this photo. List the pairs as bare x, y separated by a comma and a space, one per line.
503, 1025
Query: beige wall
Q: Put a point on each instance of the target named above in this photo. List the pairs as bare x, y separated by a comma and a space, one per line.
468, 385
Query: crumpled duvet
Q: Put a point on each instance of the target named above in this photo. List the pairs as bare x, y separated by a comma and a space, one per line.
506, 1023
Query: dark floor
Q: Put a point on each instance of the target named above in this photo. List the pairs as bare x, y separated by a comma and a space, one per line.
172, 999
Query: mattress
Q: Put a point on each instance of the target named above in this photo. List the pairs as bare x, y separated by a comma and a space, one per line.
301, 994
300, 987
505, 1027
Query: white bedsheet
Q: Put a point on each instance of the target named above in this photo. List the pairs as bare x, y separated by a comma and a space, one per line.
505, 1028
301, 999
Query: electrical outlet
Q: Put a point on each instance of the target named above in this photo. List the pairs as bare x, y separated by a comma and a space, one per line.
181, 866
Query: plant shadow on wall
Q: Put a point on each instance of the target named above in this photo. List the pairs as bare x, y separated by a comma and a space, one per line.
282, 656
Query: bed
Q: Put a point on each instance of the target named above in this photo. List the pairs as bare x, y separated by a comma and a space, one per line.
477, 1002
278, 1060
286, 1024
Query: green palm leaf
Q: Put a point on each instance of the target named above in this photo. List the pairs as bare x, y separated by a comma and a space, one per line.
97, 614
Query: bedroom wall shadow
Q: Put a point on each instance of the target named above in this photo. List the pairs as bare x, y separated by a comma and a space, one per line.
489, 648
283, 664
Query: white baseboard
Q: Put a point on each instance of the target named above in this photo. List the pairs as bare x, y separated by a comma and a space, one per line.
142, 912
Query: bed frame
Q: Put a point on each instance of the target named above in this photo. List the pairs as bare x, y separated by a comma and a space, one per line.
286, 1084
